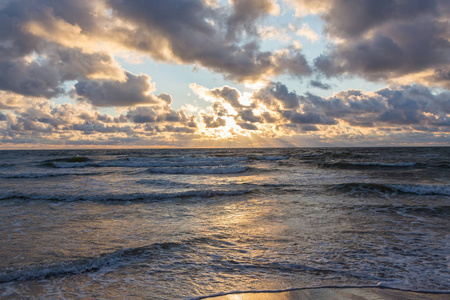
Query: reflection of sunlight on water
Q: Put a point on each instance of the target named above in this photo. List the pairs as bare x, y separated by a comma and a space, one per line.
257, 296
243, 218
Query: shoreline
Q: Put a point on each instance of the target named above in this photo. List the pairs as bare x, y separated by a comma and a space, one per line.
331, 292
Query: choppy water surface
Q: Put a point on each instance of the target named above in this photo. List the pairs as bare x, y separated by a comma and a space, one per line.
174, 224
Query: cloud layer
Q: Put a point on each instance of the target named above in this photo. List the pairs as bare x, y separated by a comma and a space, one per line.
397, 41
273, 112
70, 49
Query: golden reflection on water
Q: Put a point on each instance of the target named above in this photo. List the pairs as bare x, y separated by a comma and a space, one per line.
257, 296
246, 218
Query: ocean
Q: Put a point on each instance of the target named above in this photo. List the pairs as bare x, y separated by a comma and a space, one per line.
187, 223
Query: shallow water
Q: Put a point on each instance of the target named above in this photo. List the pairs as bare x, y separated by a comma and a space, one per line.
173, 224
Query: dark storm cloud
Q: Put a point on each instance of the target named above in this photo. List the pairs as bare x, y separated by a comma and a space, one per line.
114, 93
2, 117
383, 40
196, 33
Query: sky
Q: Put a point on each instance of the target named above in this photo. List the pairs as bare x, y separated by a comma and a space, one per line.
224, 73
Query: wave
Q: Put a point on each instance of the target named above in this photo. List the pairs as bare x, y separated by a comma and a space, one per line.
364, 165
417, 189
270, 157
62, 269
314, 155
127, 197
46, 175
73, 159
199, 170
119, 258
132, 162
80, 266
69, 165
6, 165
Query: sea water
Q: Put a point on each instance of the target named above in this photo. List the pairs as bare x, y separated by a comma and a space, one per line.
186, 223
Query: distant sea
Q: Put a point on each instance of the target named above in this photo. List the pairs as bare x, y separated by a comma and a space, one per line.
186, 223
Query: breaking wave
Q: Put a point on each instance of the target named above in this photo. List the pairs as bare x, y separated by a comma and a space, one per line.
148, 162
417, 189
127, 197
80, 266
48, 174
364, 165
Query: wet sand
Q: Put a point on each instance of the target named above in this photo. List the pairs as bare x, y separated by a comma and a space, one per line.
375, 293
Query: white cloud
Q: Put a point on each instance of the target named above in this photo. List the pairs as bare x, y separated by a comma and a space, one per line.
306, 31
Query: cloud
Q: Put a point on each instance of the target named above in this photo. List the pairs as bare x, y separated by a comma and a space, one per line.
319, 84
34, 66
306, 7
213, 121
46, 43
394, 41
248, 126
40, 121
245, 13
273, 33
350, 18
135, 90
307, 32
411, 106
29, 79
147, 114
271, 113
193, 32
